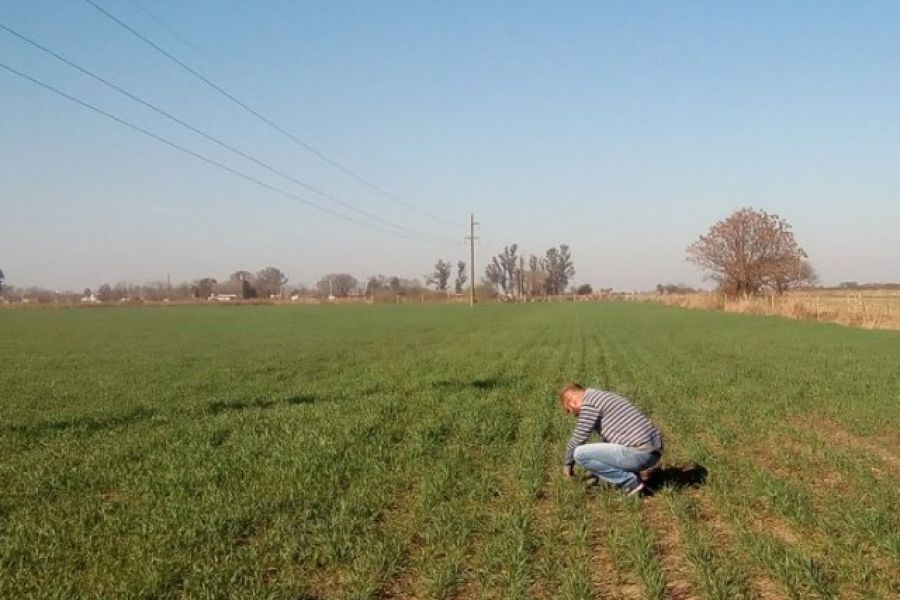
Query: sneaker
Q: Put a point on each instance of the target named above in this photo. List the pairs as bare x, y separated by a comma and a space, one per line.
636, 490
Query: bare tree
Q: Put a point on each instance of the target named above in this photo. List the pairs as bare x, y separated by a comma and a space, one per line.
104, 293
120, 291
559, 268
205, 287
269, 281
502, 273
395, 284
494, 277
535, 276
461, 276
441, 275
247, 281
375, 284
338, 284
411, 286
509, 262
40, 295
154, 291
790, 274
674, 288
241, 276
750, 250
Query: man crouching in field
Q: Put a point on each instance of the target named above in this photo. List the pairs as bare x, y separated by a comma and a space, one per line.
631, 443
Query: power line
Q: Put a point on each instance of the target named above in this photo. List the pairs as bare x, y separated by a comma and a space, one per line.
309, 147
201, 157
197, 50
210, 137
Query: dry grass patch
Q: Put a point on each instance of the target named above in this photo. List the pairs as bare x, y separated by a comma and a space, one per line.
865, 312
608, 580
402, 586
469, 589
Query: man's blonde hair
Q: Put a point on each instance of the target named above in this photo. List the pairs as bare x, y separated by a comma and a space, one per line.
568, 387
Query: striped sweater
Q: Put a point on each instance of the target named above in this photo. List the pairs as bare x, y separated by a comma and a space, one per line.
616, 420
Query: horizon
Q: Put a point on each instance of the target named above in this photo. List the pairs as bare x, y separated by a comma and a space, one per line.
310, 286
624, 132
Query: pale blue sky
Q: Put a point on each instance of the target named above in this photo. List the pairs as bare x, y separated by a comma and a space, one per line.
624, 130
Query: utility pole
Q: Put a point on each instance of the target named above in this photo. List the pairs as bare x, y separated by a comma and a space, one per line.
472, 238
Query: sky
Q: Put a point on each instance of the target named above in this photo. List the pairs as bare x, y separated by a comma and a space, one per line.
624, 130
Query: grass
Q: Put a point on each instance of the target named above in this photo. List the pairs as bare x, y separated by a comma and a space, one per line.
400, 452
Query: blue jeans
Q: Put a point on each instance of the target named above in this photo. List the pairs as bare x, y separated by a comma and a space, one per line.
614, 463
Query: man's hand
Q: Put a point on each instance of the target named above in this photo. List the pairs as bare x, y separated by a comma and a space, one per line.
567, 472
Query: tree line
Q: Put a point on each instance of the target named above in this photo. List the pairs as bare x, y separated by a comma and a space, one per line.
267, 283
749, 252
546, 275
507, 276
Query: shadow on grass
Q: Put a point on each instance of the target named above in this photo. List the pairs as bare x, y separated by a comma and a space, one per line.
83, 425
677, 477
301, 399
220, 406
90, 425
481, 383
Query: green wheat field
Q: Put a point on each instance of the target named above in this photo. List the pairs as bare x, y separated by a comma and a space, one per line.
414, 452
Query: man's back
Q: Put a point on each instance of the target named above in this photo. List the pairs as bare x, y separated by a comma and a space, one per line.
617, 421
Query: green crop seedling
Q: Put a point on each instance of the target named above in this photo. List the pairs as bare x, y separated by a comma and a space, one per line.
414, 452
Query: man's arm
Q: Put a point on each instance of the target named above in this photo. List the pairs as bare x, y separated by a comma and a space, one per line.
587, 422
